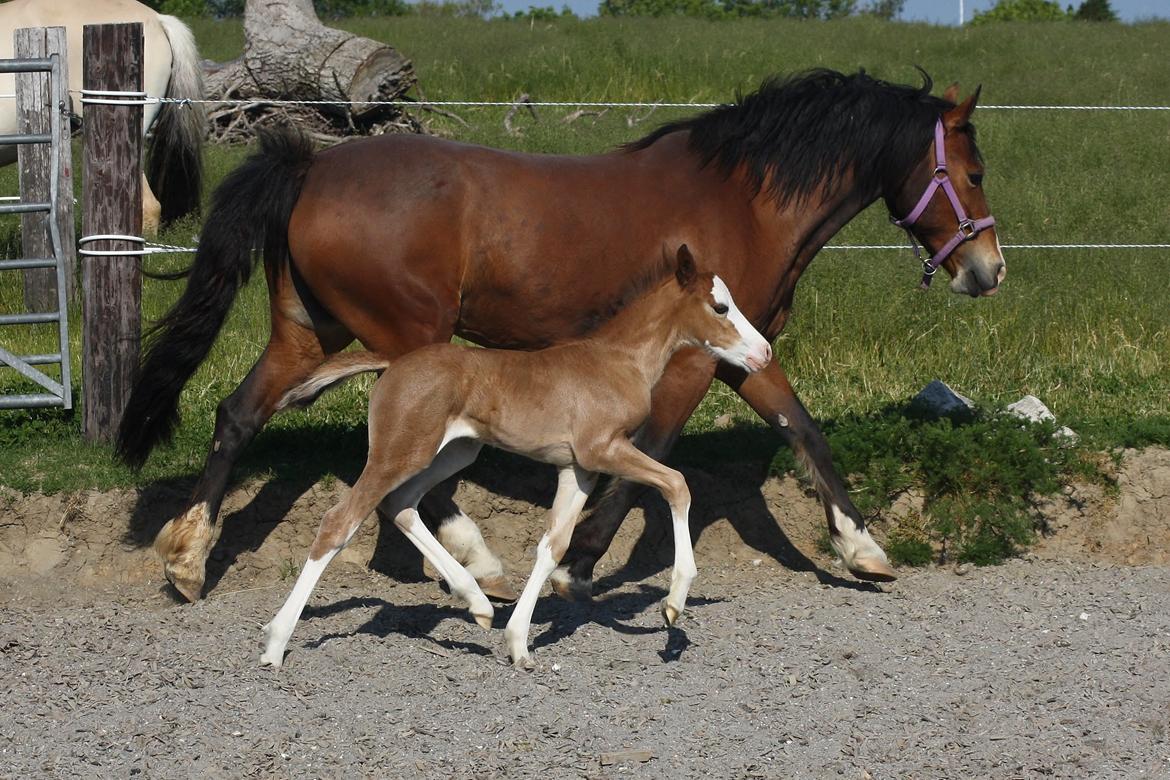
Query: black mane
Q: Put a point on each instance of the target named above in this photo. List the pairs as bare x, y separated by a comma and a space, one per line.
801, 134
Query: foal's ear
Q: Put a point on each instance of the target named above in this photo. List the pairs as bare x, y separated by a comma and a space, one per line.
685, 272
951, 94
960, 115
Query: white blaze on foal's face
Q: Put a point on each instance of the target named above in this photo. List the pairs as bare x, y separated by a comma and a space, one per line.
752, 351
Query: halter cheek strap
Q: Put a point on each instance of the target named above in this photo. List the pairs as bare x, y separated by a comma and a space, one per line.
968, 228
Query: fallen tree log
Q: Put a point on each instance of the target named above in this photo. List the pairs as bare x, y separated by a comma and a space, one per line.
289, 55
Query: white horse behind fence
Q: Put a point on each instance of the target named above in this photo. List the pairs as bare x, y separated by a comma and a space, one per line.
170, 69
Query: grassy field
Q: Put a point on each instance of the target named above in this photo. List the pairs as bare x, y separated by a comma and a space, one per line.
1088, 331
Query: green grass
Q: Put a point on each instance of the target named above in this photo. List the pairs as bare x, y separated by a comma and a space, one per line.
1088, 331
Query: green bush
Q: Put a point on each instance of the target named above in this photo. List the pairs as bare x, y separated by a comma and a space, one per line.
1096, 11
727, 9
1022, 11
978, 476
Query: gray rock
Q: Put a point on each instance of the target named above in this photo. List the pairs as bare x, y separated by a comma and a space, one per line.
938, 398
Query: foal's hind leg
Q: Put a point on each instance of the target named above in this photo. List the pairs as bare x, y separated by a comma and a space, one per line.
292, 353
340, 524
400, 464
402, 505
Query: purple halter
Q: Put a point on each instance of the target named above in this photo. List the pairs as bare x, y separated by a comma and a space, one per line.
968, 228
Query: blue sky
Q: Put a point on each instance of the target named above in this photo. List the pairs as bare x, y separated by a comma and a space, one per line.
938, 11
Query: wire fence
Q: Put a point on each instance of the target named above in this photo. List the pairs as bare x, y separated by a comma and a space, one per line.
153, 248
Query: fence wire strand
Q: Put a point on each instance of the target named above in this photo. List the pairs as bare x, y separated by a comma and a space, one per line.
151, 248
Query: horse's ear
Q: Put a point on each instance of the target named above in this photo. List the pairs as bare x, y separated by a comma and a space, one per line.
951, 94
685, 271
960, 115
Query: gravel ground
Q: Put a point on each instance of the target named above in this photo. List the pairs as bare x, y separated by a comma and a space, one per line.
1035, 668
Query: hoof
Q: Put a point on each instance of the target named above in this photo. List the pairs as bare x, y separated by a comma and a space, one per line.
190, 588
275, 660
872, 570
485, 621
182, 545
271, 656
524, 662
570, 589
670, 615
497, 588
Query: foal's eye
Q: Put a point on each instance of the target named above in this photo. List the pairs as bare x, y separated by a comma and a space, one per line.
720, 309
976, 179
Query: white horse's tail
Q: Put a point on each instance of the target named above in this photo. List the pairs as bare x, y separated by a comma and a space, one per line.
174, 165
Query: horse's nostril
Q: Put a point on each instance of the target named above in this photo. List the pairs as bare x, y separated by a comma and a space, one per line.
1000, 272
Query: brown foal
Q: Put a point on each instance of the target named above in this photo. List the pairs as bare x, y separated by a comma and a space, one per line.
575, 406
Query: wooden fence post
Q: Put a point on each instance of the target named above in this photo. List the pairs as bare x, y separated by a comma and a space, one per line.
111, 205
33, 115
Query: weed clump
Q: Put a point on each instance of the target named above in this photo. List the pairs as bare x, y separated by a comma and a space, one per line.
979, 476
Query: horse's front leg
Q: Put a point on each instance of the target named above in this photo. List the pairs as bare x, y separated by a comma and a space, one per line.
769, 393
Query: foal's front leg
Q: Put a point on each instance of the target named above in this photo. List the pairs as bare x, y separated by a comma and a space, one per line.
574, 485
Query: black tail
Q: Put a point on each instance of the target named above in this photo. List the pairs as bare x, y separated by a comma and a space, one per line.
249, 211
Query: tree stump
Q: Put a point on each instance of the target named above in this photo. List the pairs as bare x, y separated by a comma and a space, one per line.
290, 55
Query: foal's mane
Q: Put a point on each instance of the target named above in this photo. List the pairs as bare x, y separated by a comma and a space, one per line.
650, 277
802, 134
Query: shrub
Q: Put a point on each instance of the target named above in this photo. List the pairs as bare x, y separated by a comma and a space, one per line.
978, 476
1096, 11
1022, 11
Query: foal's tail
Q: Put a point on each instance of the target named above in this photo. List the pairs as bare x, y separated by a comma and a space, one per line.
250, 210
174, 163
331, 373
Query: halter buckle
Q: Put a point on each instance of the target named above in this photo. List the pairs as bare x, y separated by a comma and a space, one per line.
967, 229
928, 269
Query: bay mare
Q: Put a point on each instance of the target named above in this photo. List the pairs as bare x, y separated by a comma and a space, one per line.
575, 405
170, 69
403, 241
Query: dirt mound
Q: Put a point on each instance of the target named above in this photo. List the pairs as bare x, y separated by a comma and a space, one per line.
741, 521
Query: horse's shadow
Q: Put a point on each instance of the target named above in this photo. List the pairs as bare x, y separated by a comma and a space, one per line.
294, 469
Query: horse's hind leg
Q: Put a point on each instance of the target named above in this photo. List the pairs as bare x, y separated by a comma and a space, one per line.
151, 211
459, 534
292, 353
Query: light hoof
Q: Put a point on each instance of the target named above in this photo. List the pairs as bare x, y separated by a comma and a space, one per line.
485, 621
182, 545
872, 570
570, 588
523, 662
496, 588
670, 614
272, 656
275, 660
189, 585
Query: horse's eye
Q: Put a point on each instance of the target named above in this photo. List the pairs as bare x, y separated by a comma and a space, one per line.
976, 179
720, 309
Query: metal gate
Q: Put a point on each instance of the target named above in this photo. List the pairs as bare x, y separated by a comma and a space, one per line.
57, 393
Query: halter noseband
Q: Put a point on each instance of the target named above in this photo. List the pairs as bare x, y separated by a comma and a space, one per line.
968, 228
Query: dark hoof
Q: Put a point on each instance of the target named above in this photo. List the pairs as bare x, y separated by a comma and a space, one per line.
571, 589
